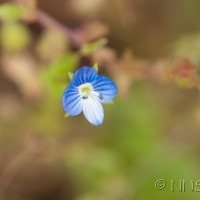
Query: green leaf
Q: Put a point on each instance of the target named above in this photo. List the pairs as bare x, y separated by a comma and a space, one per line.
10, 12
108, 103
96, 67
66, 115
91, 47
70, 75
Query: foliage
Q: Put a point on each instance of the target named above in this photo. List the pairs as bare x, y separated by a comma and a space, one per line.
151, 132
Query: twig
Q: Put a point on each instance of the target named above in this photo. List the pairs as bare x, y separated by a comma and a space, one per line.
49, 22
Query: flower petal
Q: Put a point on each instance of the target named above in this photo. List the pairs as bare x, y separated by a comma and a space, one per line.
71, 101
84, 75
93, 111
105, 87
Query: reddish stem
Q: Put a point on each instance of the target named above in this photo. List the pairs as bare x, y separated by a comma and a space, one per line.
49, 22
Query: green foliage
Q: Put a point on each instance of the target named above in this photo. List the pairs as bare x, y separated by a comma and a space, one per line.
91, 47
66, 115
188, 46
130, 154
14, 36
10, 12
51, 45
96, 67
55, 76
137, 143
108, 103
70, 74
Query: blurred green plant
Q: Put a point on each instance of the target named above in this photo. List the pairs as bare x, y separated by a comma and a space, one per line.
131, 150
51, 45
55, 76
188, 46
14, 36
10, 12
89, 48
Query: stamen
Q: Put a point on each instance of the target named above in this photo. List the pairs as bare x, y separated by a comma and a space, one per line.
85, 90
101, 96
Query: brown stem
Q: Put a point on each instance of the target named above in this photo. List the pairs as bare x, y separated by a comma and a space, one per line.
49, 22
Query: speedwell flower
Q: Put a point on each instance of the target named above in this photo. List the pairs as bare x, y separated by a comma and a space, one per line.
86, 92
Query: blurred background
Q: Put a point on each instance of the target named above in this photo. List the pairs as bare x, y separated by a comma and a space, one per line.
151, 49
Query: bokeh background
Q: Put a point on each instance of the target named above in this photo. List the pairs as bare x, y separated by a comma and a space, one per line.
151, 49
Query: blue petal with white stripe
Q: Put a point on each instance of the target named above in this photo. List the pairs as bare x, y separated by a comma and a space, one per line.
105, 87
71, 101
84, 75
93, 111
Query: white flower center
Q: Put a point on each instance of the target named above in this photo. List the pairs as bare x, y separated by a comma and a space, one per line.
85, 90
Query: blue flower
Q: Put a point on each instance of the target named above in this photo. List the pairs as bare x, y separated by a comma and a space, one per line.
86, 92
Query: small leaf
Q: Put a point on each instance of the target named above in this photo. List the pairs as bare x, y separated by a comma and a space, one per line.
70, 74
66, 115
96, 67
92, 47
110, 102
